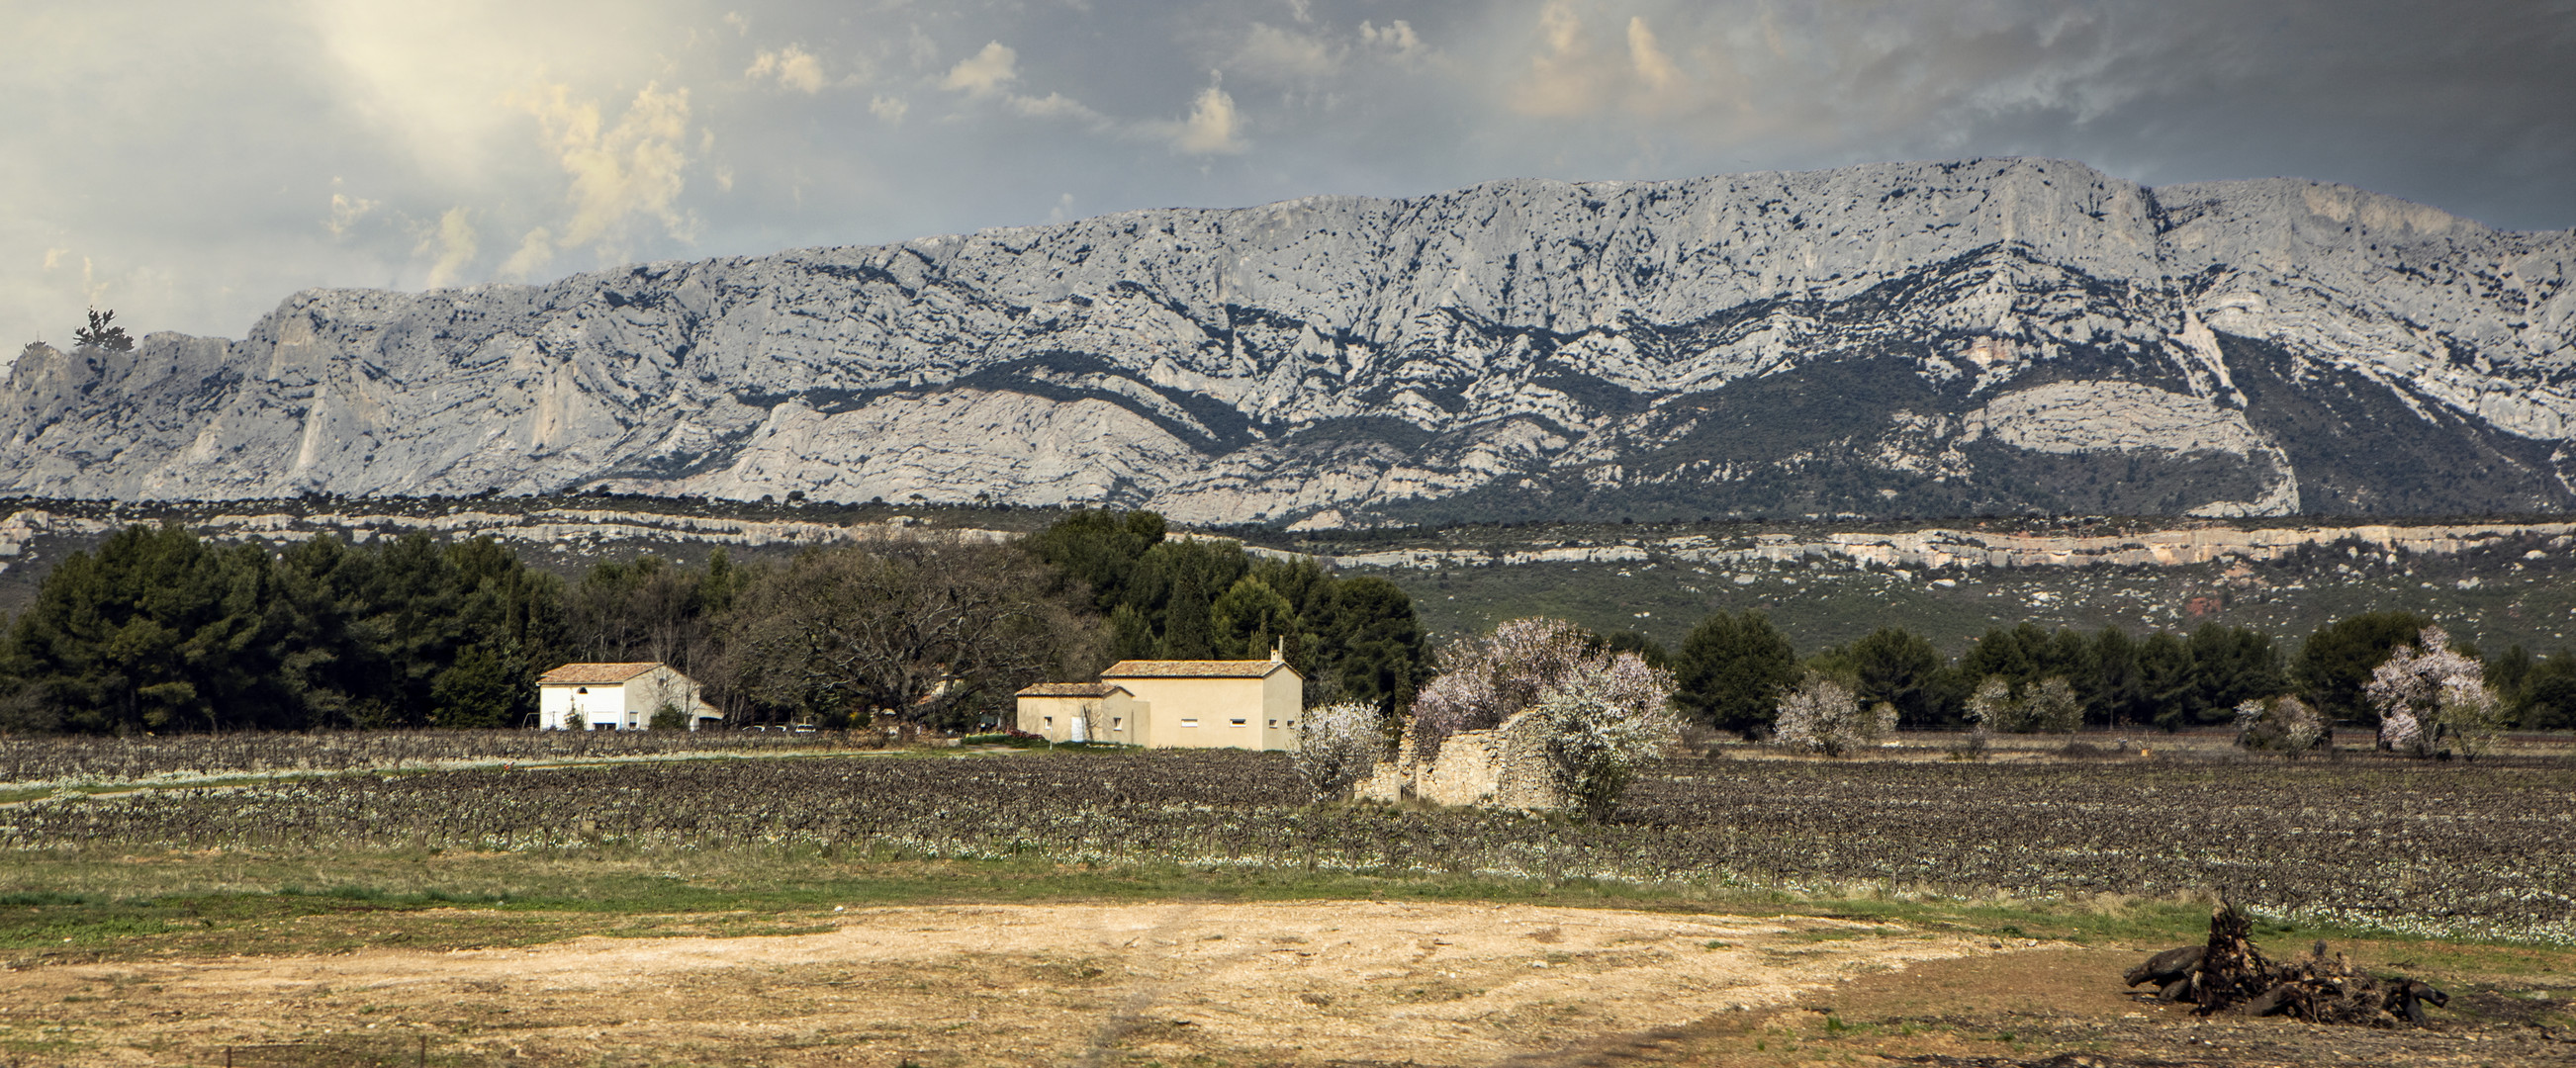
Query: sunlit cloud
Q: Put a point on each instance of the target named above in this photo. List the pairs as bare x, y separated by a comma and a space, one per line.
618, 172
791, 67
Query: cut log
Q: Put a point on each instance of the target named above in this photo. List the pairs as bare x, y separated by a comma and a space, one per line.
2165, 967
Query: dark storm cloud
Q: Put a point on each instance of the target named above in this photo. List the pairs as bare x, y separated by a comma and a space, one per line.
192, 165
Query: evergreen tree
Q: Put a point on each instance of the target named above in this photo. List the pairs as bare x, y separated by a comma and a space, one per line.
2335, 663
1898, 668
1186, 632
1377, 653
1732, 670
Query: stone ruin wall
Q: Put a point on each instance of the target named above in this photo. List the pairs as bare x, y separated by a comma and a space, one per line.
1504, 767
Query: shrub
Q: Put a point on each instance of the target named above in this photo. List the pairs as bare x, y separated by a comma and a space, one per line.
668, 717
2284, 723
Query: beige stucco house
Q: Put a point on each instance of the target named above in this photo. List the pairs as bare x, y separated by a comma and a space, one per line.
1173, 704
617, 697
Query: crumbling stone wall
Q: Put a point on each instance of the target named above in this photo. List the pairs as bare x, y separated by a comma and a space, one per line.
1505, 767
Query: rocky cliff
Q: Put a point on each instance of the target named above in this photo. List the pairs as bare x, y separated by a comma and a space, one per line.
1930, 338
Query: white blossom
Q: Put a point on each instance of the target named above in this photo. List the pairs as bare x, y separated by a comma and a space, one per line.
2427, 692
1821, 716
1337, 744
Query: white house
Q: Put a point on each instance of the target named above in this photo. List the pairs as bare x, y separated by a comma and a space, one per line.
616, 697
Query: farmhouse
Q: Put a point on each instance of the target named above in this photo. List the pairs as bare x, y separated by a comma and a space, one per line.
616, 697
1173, 704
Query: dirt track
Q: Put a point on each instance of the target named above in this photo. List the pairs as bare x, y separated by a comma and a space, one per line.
1072, 984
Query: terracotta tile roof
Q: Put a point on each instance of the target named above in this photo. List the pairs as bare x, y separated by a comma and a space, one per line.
593, 674
1192, 669
1071, 689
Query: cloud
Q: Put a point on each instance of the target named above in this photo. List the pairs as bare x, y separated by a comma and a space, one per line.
452, 245
1286, 55
1654, 69
618, 172
346, 210
1395, 38
535, 251
891, 109
988, 74
1210, 129
984, 73
792, 67
1565, 76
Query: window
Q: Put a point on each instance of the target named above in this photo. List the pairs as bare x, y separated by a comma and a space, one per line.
581, 689
1274, 724
1240, 722
1048, 720
1116, 722
1189, 723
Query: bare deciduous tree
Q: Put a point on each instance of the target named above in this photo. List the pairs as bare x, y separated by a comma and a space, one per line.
924, 631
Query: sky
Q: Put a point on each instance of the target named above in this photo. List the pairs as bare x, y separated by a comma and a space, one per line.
190, 164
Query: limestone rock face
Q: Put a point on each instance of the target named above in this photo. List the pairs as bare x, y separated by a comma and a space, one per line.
1929, 338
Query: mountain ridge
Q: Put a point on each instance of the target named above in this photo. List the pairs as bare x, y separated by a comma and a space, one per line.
1933, 338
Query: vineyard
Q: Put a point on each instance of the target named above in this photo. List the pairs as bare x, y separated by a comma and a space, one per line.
2443, 849
79, 760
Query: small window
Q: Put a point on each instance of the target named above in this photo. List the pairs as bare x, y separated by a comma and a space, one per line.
1240, 722
581, 689
1116, 722
1048, 720
1189, 723
1274, 724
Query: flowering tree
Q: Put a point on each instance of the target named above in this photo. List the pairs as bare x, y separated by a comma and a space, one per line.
1821, 716
2051, 707
1604, 712
2281, 722
1604, 721
1483, 680
2427, 691
1337, 744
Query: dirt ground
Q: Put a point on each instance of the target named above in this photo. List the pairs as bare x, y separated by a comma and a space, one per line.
1331, 983
1310, 983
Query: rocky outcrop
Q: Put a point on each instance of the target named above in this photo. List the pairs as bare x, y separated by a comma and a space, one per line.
1937, 338
1936, 547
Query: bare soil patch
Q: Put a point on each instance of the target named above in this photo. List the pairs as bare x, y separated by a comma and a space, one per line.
1288, 984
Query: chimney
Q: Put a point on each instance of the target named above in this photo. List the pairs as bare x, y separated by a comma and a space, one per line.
1278, 655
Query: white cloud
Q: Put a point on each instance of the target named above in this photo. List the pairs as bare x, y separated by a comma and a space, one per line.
891, 109
989, 74
1210, 129
1565, 76
984, 73
741, 26
1396, 37
346, 210
1286, 55
618, 172
451, 245
535, 251
1654, 69
792, 67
